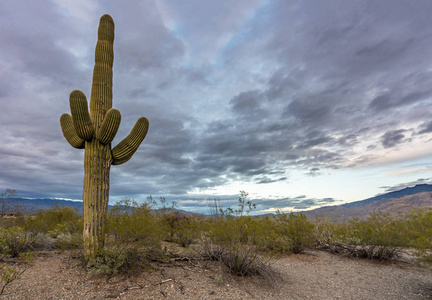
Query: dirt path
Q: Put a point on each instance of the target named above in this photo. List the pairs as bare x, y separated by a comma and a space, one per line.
314, 275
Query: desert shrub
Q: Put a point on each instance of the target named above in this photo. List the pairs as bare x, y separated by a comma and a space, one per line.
133, 225
379, 237
134, 236
329, 236
241, 259
264, 234
228, 230
180, 228
419, 232
15, 240
113, 260
55, 221
293, 232
189, 230
69, 240
230, 240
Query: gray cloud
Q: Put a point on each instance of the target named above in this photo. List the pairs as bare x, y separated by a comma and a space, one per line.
235, 92
296, 203
265, 179
393, 138
426, 128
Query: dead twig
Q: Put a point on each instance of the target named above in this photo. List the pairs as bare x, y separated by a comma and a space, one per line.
165, 281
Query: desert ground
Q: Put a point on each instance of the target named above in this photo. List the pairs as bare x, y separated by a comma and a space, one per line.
314, 274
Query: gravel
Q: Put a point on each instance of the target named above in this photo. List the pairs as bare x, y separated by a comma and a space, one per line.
313, 275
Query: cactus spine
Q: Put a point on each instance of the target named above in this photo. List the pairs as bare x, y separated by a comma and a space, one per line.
94, 132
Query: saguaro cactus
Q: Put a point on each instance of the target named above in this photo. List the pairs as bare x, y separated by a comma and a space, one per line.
94, 132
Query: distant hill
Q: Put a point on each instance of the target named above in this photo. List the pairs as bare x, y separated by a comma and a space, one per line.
28, 204
45, 203
419, 196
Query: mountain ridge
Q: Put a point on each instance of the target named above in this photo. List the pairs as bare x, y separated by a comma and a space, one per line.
401, 201
418, 188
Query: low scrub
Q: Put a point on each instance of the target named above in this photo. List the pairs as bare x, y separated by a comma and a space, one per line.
15, 240
181, 228
130, 225
232, 241
55, 221
112, 260
295, 231
379, 237
240, 259
419, 229
328, 236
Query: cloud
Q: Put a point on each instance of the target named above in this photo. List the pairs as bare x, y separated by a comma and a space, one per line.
314, 172
392, 138
236, 93
426, 128
265, 179
292, 204
409, 171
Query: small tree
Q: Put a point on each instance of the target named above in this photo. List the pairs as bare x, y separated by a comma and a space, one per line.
7, 201
244, 204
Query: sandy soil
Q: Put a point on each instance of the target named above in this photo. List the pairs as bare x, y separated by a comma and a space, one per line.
313, 275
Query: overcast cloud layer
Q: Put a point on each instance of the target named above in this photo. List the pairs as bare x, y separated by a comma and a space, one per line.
280, 98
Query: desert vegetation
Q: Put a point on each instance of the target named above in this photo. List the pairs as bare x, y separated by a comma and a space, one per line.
139, 234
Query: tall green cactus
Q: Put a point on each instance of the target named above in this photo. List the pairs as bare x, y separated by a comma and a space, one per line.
94, 132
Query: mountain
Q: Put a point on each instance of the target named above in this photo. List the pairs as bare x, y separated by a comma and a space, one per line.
419, 196
29, 204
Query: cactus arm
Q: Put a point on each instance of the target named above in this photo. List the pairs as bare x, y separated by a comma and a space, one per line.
80, 115
101, 92
109, 126
69, 133
127, 147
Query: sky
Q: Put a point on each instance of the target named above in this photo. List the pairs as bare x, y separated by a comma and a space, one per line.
301, 104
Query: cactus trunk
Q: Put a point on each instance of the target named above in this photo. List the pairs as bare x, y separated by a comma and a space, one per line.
95, 131
97, 163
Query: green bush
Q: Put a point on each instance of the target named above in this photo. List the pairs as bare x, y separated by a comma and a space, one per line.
113, 260
133, 225
15, 240
419, 231
69, 240
55, 221
180, 228
294, 232
379, 237
234, 238
329, 236
134, 235
230, 240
